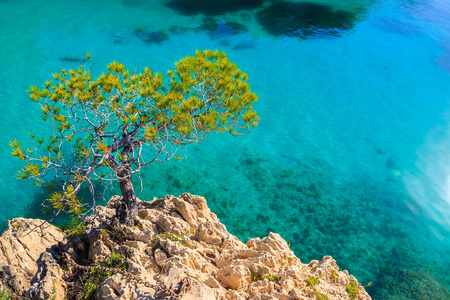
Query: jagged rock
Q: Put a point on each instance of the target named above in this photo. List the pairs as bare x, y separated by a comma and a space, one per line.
291, 272
213, 283
151, 215
24, 256
187, 211
160, 256
101, 215
116, 287
236, 277
179, 248
172, 224
201, 208
48, 283
211, 232
97, 249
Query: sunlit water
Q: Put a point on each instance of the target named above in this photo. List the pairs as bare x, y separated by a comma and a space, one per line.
352, 155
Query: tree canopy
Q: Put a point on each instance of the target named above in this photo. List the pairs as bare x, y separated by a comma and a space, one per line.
106, 128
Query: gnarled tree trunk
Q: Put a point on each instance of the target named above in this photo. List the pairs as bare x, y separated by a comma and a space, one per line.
127, 210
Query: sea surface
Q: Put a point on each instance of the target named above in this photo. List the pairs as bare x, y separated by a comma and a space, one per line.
351, 157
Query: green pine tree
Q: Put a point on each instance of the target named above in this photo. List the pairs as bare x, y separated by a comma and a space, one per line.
107, 128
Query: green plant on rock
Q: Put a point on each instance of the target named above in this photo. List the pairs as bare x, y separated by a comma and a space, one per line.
312, 281
334, 276
320, 296
15, 224
106, 129
270, 277
75, 229
255, 277
117, 234
5, 294
53, 294
352, 289
179, 238
92, 279
139, 226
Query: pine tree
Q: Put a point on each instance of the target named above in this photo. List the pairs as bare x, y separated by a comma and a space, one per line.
107, 128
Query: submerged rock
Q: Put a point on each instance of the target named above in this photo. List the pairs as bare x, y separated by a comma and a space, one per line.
149, 36
179, 249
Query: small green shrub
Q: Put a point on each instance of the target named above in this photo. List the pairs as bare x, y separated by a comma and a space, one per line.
334, 276
117, 234
5, 294
352, 290
16, 224
179, 238
75, 229
53, 295
312, 281
270, 276
255, 277
91, 280
320, 296
139, 226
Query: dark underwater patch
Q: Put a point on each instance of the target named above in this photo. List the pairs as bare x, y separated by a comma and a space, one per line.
221, 28
149, 36
224, 43
72, 59
392, 163
405, 278
212, 7
117, 39
214, 28
304, 19
244, 45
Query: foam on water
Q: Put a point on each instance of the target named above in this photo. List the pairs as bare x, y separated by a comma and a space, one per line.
429, 184
350, 158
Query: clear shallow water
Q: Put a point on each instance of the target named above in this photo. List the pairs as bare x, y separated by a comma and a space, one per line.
351, 158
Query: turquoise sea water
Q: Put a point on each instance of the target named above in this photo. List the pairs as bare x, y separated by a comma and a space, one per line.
352, 154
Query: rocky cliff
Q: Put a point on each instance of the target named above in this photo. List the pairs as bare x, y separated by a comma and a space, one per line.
178, 250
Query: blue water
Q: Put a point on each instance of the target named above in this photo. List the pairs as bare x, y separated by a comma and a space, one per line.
352, 154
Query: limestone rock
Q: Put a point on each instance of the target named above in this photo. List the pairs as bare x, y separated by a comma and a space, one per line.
117, 287
23, 248
97, 249
201, 208
236, 277
187, 211
179, 248
211, 232
172, 224
101, 215
48, 283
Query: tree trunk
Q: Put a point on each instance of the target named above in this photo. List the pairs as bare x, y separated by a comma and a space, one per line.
127, 210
